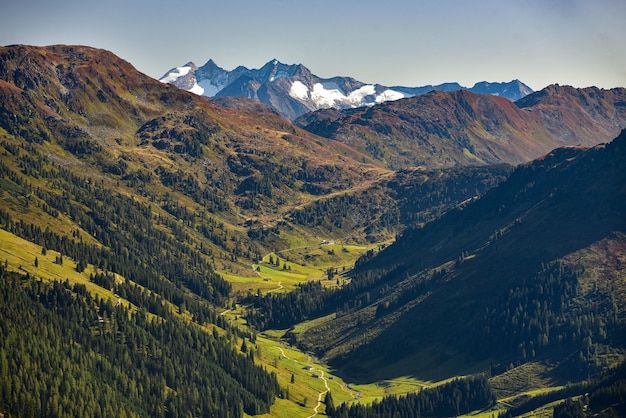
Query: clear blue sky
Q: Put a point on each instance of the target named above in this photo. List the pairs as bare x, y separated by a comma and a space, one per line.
393, 42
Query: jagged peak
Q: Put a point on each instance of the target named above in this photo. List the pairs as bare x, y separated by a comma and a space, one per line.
355, 93
212, 64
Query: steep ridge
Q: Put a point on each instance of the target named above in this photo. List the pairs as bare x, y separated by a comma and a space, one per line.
513, 90
571, 114
293, 90
462, 128
515, 276
99, 108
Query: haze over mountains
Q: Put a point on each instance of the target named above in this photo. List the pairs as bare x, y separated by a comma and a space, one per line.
150, 204
293, 90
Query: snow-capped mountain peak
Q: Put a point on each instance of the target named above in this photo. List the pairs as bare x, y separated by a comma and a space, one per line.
293, 90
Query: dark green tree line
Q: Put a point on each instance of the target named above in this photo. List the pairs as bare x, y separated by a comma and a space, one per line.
65, 353
451, 399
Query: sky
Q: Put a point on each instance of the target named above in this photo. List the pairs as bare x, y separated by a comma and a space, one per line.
390, 42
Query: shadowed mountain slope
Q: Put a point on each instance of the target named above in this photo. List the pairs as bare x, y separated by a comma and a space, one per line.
516, 275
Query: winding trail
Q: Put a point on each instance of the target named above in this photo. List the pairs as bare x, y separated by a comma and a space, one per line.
319, 396
321, 376
280, 286
283, 353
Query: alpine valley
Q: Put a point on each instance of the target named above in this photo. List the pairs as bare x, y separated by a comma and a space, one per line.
279, 249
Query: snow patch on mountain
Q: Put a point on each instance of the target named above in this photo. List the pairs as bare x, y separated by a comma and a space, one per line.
329, 94
326, 96
299, 90
357, 97
196, 89
390, 95
175, 74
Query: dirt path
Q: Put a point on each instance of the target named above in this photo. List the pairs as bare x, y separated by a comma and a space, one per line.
283, 353
321, 376
319, 396
280, 286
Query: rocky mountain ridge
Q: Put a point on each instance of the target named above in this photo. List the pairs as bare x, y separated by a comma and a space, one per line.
460, 127
293, 90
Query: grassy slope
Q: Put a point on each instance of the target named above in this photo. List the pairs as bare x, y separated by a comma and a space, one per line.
20, 255
436, 365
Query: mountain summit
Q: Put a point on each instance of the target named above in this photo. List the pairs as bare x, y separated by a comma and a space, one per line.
293, 90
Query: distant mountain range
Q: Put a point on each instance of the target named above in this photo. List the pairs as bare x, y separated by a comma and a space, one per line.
293, 90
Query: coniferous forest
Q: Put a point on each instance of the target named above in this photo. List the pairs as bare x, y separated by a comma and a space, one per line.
65, 353
451, 399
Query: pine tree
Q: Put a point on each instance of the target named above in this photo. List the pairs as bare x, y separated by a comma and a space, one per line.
330, 404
